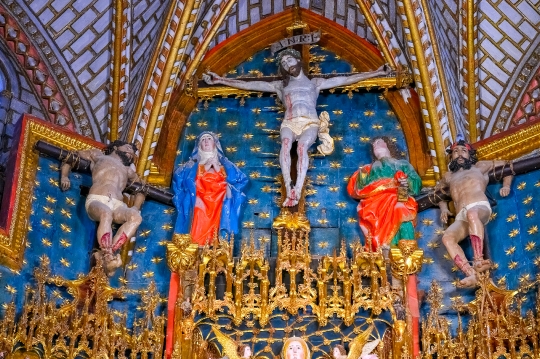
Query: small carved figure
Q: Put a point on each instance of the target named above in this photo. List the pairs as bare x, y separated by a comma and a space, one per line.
368, 348
299, 95
387, 210
186, 307
231, 349
111, 172
295, 348
244, 351
208, 192
468, 180
339, 352
360, 348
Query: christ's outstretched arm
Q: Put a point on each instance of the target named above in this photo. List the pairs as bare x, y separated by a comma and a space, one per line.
212, 79
349, 80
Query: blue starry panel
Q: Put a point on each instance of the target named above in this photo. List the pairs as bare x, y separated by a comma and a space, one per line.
60, 229
249, 135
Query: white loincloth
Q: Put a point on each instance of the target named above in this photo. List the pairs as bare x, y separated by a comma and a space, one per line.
112, 203
462, 215
327, 142
299, 124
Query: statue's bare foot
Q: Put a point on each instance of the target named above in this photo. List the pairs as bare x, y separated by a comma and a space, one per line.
481, 265
292, 198
289, 202
468, 282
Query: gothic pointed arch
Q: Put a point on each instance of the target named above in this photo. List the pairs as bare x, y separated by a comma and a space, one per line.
363, 55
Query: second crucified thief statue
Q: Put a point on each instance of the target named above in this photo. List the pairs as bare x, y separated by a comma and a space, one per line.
299, 95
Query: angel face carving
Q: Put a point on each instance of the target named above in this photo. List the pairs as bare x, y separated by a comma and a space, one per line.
339, 352
244, 351
295, 350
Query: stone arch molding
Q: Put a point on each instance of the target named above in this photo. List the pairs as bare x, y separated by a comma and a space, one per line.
360, 53
47, 70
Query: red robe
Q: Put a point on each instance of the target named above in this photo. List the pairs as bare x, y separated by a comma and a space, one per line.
379, 212
211, 189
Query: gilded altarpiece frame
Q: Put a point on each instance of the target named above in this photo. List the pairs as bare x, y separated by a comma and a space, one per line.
17, 201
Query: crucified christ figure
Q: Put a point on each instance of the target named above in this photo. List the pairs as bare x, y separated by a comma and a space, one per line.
299, 95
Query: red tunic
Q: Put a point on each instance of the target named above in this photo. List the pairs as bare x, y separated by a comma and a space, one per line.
211, 188
379, 211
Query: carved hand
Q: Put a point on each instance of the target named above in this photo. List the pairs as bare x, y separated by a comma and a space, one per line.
444, 214
65, 183
211, 78
384, 69
504, 191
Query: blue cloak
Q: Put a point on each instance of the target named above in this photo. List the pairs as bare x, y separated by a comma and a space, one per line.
184, 188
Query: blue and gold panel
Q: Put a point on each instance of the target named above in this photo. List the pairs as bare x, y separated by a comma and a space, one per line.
60, 229
249, 135
268, 341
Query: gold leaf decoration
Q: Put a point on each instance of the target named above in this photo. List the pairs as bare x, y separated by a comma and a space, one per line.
65, 213
65, 262
141, 249
64, 243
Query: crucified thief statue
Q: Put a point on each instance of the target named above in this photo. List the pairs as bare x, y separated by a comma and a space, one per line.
468, 179
111, 172
299, 95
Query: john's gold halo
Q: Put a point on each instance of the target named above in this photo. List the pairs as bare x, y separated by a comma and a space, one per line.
295, 339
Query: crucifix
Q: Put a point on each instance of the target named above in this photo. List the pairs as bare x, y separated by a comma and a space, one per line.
298, 93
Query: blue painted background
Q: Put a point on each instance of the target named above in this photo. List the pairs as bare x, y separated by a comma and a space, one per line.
61, 229
249, 135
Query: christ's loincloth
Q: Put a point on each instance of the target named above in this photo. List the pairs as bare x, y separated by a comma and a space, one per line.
462, 215
299, 124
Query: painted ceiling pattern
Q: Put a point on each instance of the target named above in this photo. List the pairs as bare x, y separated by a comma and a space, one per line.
529, 108
508, 38
74, 36
248, 12
147, 18
445, 25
